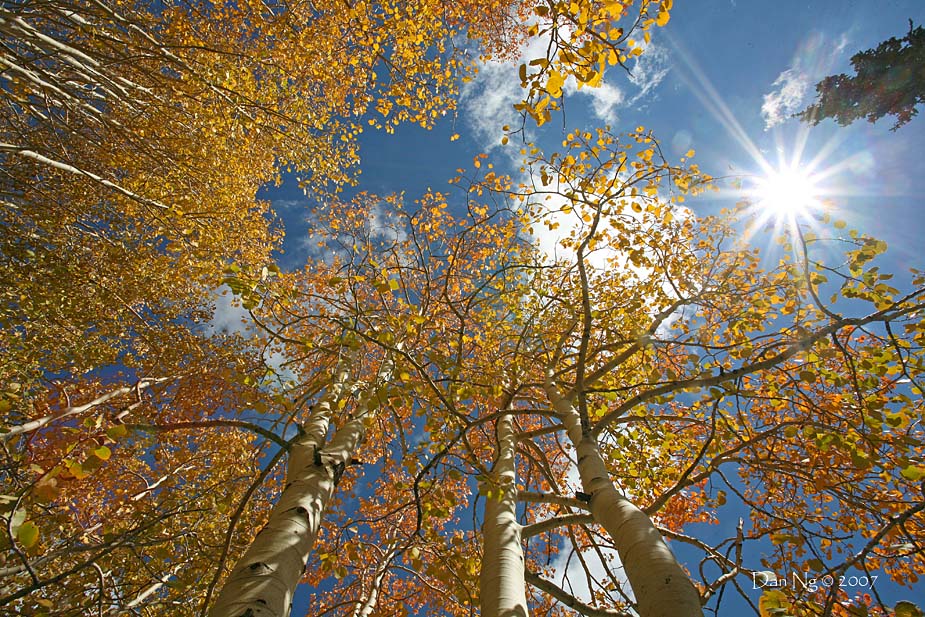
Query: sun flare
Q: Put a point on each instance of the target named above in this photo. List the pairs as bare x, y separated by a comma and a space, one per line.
786, 193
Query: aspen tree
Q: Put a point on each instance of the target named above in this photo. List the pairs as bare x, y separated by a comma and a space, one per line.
264, 580
501, 582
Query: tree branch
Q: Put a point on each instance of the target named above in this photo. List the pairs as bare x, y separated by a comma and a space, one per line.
569, 600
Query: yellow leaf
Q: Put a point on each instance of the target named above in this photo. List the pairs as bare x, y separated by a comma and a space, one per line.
116, 431
615, 8
554, 84
28, 534
76, 470
907, 609
772, 602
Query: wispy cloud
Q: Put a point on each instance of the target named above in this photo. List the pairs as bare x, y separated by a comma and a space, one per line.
487, 101
649, 71
813, 60
289, 204
786, 97
229, 317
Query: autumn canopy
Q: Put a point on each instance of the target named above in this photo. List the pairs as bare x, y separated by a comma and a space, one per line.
436, 408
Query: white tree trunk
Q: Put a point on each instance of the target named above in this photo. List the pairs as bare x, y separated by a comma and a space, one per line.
264, 580
502, 586
660, 585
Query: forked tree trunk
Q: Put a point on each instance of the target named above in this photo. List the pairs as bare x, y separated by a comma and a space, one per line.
264, 580
661, 586
502, 587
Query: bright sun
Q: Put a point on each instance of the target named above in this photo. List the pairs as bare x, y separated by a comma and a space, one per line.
786, 193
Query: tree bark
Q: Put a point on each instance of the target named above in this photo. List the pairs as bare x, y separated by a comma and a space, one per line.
263, 582
502, 587
660, 585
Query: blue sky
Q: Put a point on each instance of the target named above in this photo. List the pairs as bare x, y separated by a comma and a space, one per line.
723, 78
720, 75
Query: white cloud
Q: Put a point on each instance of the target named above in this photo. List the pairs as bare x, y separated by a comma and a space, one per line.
229, 316
383, 225
281, 366
649, 71
571, 575
309, 245
786, 98
315, 249
567, 571
791, 91
487, 101
562, 219
605, 99
289, 204
560, 222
